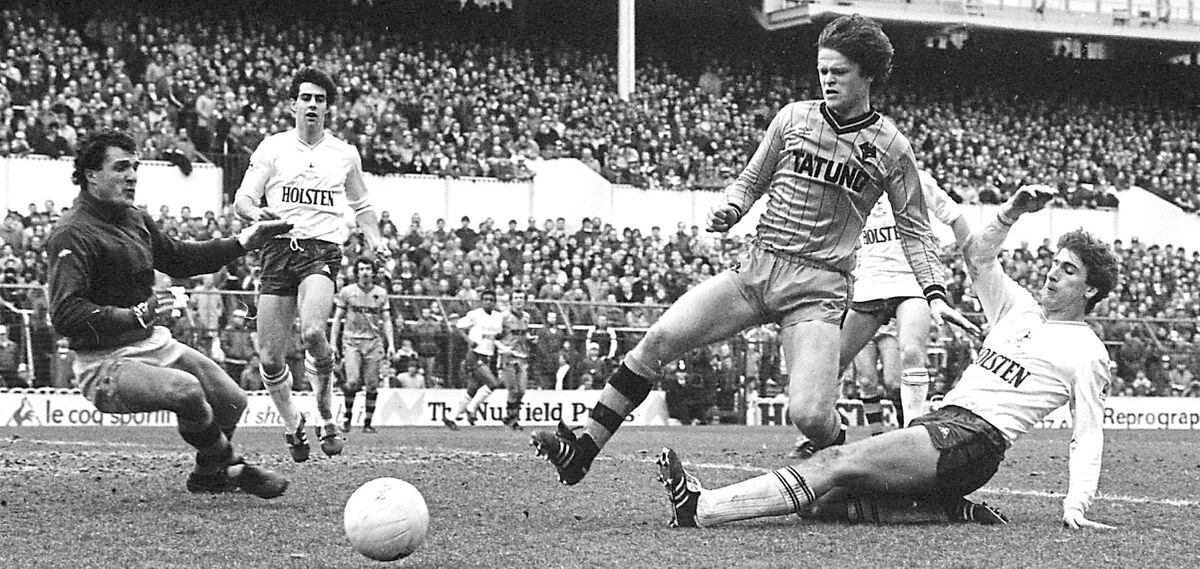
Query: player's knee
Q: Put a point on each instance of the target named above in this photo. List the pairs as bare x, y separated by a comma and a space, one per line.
189, 400
272, 364
912, 356
659, 344
313, 337
808, 415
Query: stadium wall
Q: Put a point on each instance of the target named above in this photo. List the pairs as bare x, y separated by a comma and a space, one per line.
395, 407
1175, 413
36, 179
569, 189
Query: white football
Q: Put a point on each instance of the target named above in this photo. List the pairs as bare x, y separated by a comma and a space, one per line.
386, 519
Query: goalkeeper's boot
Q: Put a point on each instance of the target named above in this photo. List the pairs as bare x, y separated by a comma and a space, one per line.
257, 480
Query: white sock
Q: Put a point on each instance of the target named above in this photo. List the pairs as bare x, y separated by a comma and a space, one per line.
914, 389
461, 407
480, 397
778, 493
280, 389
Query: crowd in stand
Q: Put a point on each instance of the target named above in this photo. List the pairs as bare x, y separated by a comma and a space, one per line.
594, 288
479, 94
482, 95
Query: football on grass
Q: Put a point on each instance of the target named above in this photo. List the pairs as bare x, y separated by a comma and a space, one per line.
386, 519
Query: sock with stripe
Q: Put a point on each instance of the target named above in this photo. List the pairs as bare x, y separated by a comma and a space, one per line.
914, 389
279, 386
873, 412
777, 493
348, 398
627, 388
369, 412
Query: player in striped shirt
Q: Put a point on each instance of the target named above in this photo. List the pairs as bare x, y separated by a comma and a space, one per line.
823, 164
885, 288
308, 177
1040, 355
363, 323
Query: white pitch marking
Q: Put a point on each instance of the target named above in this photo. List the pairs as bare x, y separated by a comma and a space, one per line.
697, 465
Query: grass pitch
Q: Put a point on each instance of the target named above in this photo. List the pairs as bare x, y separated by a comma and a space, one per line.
115, 497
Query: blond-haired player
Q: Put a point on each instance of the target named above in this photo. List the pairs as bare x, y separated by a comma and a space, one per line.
823, 163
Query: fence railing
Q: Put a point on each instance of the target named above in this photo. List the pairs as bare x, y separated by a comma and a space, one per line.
561, 329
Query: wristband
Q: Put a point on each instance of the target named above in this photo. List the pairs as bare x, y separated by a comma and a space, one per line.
139, 314
1004, 219
934, 292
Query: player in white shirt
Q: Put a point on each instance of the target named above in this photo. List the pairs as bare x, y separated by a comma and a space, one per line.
308, 177
481, 327
885, 288
1039, 356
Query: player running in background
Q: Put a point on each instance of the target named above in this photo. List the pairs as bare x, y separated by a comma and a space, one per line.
308, 176
885, 288
824, 164
1039, 356
103, 254
363, 323
480, 327
514, 356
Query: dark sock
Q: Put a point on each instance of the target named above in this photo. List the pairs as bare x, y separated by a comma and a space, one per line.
370, 407
622, 394
213, 450
350, 405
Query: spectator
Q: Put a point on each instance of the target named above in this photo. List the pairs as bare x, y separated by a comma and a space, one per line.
10, 360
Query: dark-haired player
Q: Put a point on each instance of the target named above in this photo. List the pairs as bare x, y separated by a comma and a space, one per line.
823, 164
363, 324
1040, 355
480, 327
307, 176
103, 254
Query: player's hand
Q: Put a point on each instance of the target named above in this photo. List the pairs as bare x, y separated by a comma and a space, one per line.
258, 234
722, 218
261, 214
1073, 519
943, 312
159, 303
1032, 197
391, 353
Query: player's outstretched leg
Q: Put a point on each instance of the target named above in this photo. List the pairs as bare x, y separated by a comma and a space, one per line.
572, 454
683, 489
